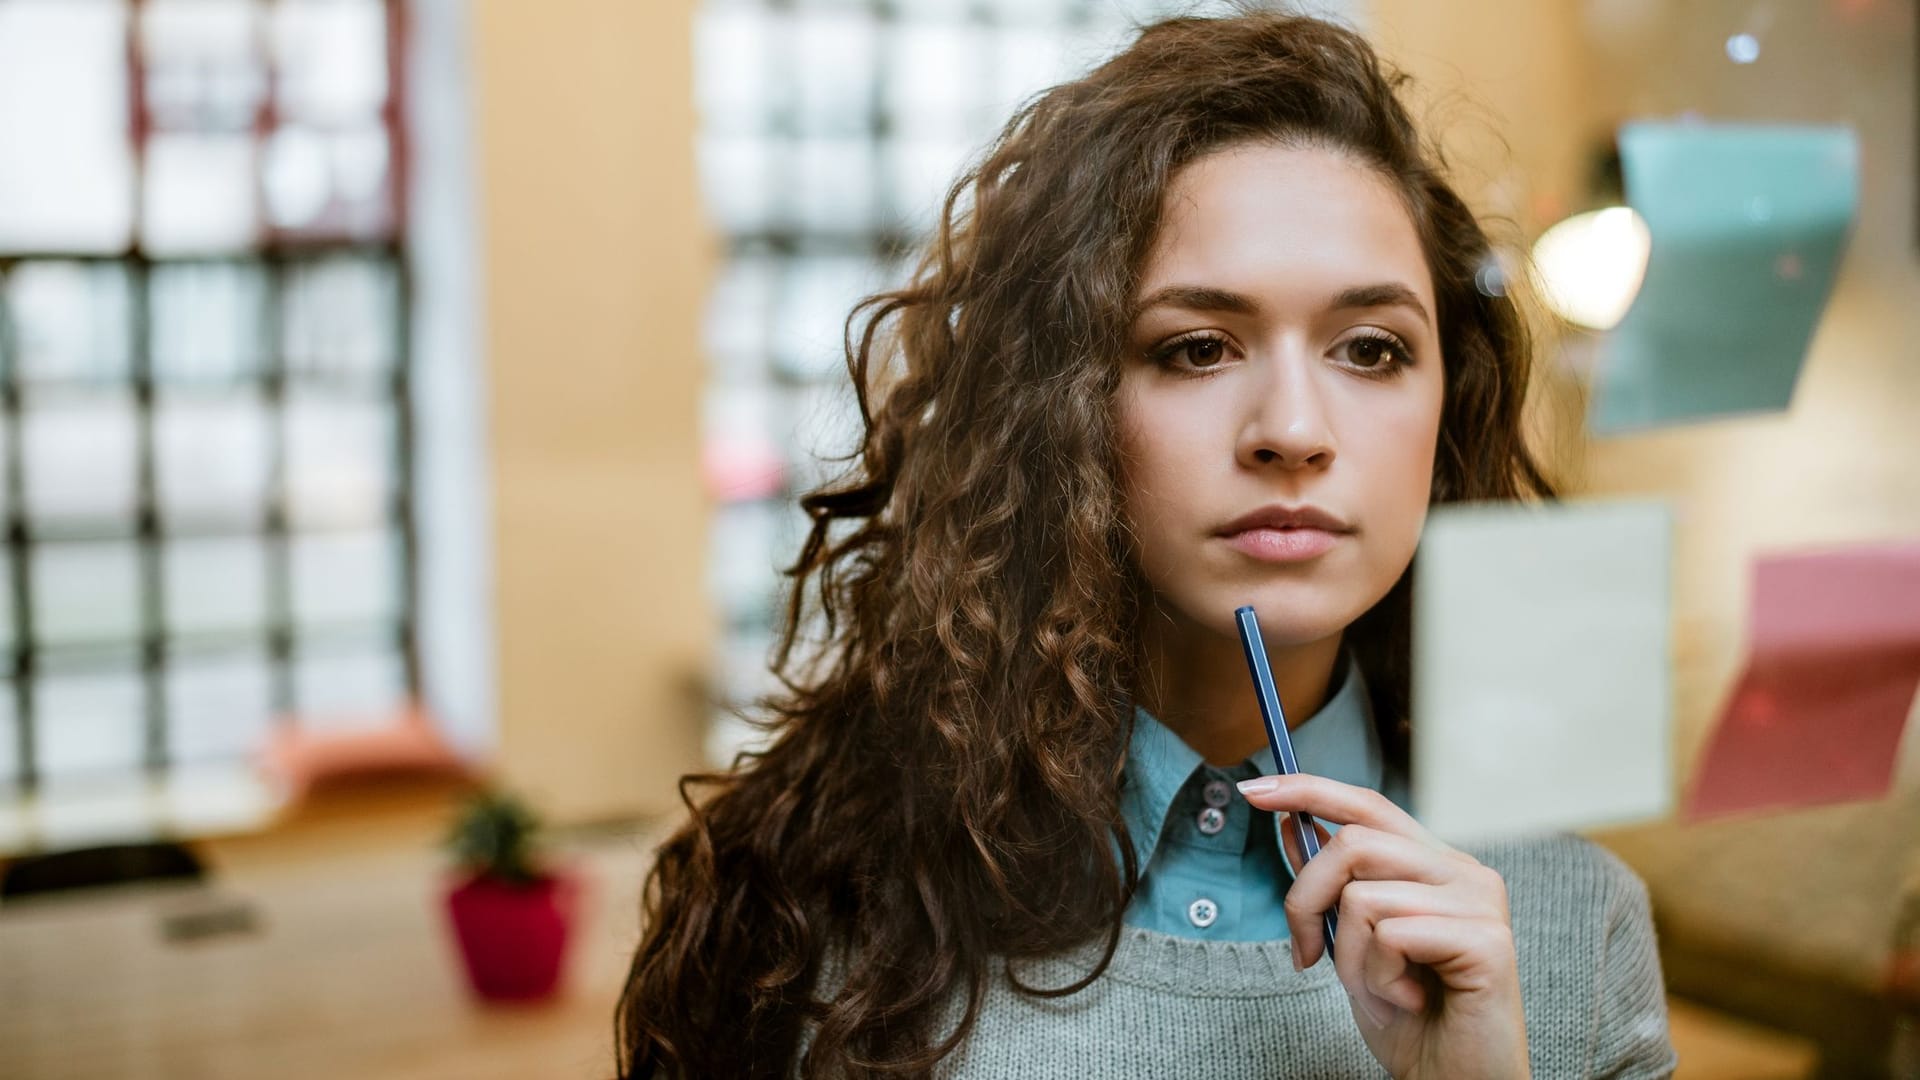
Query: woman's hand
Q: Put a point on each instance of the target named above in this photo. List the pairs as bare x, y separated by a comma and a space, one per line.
1424, 950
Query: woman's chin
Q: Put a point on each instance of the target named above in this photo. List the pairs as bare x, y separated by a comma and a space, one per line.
1289, 617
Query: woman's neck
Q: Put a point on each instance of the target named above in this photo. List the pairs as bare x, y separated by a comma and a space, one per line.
1196, 682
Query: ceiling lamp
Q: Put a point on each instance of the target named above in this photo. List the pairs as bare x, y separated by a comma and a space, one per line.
1589, 267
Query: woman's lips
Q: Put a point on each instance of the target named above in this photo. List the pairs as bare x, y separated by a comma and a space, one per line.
1283, 545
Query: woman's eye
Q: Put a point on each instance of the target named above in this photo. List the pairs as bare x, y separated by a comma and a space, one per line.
1193, 352
1205, 352
1375, 353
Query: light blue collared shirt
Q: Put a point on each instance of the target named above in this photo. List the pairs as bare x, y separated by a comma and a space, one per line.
1212, 867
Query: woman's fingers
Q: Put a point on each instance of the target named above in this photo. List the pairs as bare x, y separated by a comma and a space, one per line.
1386, 972
1396, 937
1374, 902
1466, 954
1411, 908
1454, 884
1378, 977
1390, 976
1343, 804
1350, 962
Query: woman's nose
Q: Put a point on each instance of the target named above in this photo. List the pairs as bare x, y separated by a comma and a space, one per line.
1287, 421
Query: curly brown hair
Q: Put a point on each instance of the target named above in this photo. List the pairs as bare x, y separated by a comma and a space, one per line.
941, 786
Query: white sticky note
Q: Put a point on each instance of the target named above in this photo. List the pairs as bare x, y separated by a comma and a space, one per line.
1541, 677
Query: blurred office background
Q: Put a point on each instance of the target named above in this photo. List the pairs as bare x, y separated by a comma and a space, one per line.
451, 369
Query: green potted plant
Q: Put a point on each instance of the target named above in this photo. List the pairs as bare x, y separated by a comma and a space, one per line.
511, 912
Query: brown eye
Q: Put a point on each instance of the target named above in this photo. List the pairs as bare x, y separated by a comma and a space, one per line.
1193, 353
1204, 352
1374, 353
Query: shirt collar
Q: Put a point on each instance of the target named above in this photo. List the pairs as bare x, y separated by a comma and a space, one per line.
1338, 742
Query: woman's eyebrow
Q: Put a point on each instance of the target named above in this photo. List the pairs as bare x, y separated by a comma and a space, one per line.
1199, 298
1383, 294
1211, 298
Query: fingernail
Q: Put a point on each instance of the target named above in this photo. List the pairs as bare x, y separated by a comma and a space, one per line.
1296, 959
1259, 785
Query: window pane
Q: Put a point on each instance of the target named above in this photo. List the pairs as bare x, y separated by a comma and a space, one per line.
739, 313
1110, 30
89, 722
346, 578
811, 312
731, 54
66, 180
218, 708
833, 181
113, 807
200, 193
203, 67
357, 688
919, 171
1027, 59
206, 321
743, 673
340, 319
736, 178
212, 458
741, 457
833, 52
825, 427
340, 461
71, 321
215, 584
333, 59
214, 797
328, 183
741, 568
935, 83
85, 593
81, 453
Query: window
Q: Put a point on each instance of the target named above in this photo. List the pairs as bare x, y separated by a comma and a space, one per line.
204, 386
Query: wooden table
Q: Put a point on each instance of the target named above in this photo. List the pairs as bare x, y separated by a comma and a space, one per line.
349, 971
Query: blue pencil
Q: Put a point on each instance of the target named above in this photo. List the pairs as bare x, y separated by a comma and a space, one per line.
1276, 721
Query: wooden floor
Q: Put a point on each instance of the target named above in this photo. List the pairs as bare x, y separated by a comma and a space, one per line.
347, 968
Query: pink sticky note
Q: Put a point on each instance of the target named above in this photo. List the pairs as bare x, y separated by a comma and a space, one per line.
1817, 715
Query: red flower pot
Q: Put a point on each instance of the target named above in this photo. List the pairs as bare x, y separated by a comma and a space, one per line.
513, 937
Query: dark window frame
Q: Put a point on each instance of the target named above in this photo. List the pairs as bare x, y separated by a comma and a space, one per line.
278, 257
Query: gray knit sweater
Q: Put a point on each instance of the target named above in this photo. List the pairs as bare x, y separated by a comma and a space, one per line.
1172, 1007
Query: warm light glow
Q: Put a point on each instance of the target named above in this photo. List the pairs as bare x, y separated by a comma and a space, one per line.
1590, 266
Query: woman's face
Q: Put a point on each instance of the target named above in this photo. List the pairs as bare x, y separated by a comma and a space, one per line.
1283, 360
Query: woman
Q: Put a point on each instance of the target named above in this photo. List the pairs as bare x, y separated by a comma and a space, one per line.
1200, 331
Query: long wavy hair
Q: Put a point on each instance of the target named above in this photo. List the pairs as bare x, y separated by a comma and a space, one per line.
940, 789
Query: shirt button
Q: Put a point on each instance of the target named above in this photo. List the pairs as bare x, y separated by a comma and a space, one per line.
1202, 912
1216, 793
1212, 820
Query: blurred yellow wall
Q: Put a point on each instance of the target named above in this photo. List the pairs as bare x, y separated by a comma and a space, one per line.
596, 266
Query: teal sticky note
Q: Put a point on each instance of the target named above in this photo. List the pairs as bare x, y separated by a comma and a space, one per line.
1748, 224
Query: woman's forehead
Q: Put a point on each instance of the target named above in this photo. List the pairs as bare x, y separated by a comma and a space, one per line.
1283, 221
